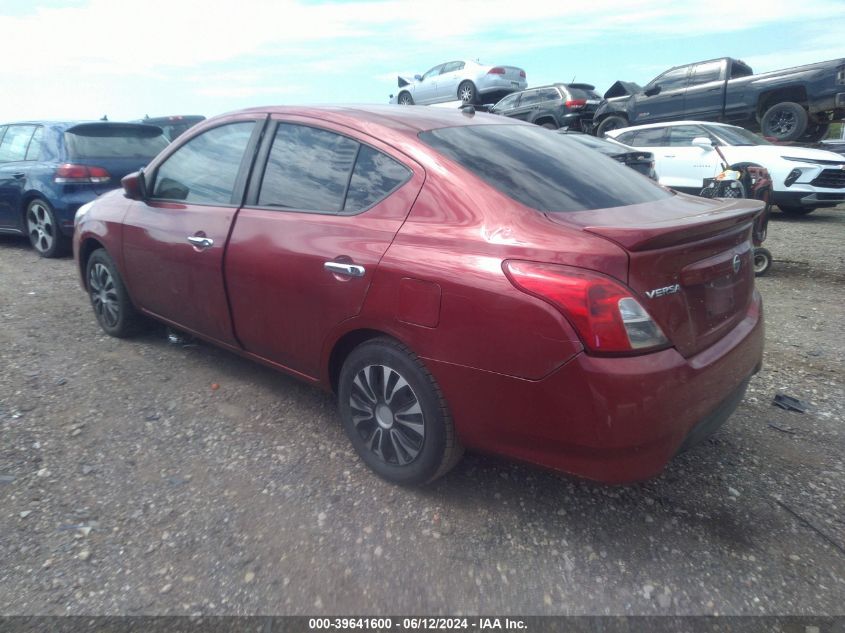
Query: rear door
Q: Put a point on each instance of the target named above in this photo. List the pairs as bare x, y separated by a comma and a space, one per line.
684, 165
174, 241
305, 247
528, 104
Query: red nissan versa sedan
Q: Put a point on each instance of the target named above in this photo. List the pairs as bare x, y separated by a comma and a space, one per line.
457, 279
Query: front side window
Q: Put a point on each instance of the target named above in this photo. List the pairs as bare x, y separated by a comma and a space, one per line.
316, 170
650, 137
508, 102
433, 72
547, 172
15, 143
673, 79
204, 170
452, 67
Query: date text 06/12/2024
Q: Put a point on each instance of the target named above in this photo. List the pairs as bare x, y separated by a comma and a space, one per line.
415, 624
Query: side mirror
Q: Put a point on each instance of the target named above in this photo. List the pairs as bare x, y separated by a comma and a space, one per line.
653, 90
418, 77
134, 186
703, 142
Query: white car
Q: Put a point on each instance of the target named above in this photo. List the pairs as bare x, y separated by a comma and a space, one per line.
462, 80
802, 179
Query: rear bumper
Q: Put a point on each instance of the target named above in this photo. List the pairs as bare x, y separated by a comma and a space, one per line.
493, 83
613, 420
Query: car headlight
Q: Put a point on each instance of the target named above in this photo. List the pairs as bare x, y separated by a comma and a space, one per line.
795, 159
81, 211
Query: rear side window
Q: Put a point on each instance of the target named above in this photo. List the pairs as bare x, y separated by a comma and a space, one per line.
204, 170
703, 73
98, 140
544, 171
375, 176
682, 135
580, 93
33, 152
15, 143
316, 170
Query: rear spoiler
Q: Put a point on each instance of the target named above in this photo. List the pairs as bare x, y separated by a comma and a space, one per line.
582, 86
622, 89
108, 128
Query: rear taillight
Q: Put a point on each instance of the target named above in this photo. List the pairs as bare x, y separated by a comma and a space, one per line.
604, 312
575, 104
522, 74
72, 174
497, 70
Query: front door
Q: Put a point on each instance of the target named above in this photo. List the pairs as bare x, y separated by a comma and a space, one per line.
668, 102
13, 174
305, 247
174, 241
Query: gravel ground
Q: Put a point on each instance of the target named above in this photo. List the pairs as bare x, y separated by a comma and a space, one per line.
143, 477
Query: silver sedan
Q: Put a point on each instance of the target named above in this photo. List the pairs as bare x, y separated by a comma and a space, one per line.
463, 80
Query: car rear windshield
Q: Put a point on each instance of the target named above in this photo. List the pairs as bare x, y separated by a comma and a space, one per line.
542, 169
114, 141
580, 93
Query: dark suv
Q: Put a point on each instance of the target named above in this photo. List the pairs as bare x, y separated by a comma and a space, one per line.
555, 106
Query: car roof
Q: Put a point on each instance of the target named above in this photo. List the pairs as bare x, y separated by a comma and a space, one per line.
673, 124
408, 120
64, 125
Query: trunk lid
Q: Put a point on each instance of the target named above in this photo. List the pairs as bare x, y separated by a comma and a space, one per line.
690, 261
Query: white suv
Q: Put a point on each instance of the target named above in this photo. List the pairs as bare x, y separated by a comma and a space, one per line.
802, 179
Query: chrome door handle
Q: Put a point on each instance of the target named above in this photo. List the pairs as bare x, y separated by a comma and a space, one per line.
201, 242
348, 270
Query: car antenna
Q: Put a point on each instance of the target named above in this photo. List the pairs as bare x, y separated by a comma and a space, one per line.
105, 118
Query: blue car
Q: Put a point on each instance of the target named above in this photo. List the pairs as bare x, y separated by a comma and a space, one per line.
48, 170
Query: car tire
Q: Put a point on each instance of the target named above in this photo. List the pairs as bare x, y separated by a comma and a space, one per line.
405, 98
43, 229
786, 121
467, 92
762, 261
612, 122
380, 381
796, 211
112, 306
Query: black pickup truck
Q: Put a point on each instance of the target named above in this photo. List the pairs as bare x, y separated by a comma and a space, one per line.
796, 104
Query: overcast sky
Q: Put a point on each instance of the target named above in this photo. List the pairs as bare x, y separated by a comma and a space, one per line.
80, 59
